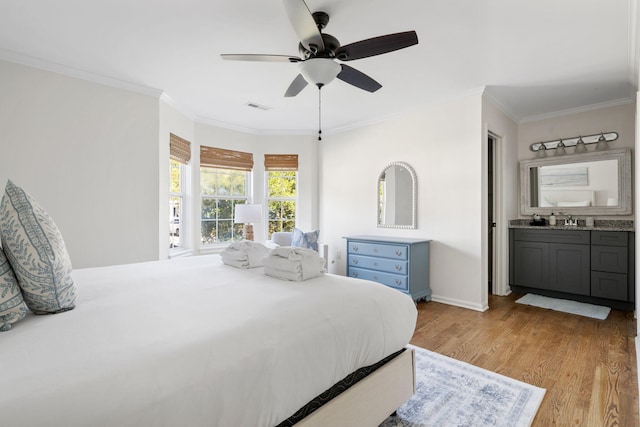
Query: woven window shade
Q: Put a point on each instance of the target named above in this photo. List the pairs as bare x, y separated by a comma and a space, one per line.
211, 157
179, 149
281, 162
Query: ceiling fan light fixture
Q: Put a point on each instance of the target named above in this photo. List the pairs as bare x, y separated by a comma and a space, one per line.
319, 71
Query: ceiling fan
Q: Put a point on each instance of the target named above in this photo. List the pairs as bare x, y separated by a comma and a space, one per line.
320, 51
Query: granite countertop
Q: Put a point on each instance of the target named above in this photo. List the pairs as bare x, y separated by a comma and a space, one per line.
599, 225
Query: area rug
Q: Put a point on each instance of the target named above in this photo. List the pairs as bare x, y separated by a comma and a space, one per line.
452, 393
573, 307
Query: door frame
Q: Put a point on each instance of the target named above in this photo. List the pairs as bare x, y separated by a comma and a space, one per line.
500, 282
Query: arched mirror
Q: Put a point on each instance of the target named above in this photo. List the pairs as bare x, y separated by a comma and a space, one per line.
397, 196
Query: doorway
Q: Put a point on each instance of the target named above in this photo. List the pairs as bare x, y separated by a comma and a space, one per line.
491, 209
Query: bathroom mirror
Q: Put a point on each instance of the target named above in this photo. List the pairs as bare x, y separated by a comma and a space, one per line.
397, 196
592, 183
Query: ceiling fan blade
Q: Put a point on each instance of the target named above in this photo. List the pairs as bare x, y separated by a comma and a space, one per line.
260, 58
296, 86
376, 46
358, 79
304, 25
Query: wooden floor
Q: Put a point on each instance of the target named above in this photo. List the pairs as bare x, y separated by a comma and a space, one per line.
587, 366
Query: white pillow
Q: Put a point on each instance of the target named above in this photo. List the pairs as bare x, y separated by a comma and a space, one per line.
37, 253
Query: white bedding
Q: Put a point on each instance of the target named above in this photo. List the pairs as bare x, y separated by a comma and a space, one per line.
193, 342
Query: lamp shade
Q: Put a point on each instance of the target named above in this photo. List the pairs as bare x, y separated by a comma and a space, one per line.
319, 71
248, 213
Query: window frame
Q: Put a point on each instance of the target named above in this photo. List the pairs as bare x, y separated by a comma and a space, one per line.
246, 198
269, 199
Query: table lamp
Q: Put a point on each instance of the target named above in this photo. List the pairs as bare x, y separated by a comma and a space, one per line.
248, 214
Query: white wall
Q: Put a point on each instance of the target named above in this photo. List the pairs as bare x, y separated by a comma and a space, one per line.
88, 153
444, 146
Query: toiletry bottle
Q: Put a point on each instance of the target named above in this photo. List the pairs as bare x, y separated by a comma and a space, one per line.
552, 219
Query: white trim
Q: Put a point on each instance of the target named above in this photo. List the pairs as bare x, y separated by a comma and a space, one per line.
577, 110
459, 303
77, 73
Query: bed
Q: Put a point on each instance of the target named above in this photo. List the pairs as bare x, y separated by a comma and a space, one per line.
191, 341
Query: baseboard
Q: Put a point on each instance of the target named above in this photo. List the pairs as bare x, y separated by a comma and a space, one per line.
459, 303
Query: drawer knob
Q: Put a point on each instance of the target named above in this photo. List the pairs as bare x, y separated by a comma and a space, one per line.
398, 282
399, 252
355, 248
375, 250
354, 274
375, 264
354, 261
398, 267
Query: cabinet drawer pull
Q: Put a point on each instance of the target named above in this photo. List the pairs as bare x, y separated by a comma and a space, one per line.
354, 261
399, 252
355, 248
398, 282
375, 264
354, 274
375, 250
398, 267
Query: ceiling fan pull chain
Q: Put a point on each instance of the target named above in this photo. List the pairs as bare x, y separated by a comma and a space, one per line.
320, 112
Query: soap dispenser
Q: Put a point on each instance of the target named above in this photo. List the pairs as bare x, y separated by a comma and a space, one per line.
552, 219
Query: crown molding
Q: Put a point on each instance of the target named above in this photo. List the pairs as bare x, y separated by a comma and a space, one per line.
53, 67
578, 110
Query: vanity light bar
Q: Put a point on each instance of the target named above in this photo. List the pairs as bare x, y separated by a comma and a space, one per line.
571, 142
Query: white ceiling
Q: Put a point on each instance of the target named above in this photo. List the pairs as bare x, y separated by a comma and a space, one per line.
535, 57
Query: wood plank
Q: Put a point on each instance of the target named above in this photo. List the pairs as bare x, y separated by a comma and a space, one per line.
588, 366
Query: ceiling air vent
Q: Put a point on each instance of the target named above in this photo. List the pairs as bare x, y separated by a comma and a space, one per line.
257, 106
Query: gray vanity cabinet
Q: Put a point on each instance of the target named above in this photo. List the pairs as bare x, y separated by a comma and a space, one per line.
551, 259
590, 266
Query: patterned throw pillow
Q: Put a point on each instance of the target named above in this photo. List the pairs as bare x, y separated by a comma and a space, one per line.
12, 306
305, 240
37, 253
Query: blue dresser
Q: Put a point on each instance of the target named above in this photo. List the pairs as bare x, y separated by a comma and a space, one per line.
399, 263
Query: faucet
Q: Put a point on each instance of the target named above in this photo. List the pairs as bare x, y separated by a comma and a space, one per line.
570, 220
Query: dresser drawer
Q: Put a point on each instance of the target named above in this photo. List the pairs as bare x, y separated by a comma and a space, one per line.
392, 280
609, 285
380, 264
378, 250
609, 238
579, 237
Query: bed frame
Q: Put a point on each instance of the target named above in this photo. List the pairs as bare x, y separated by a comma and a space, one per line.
371, 400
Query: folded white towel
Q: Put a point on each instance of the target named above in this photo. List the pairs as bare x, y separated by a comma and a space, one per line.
290, 275
236, 263
301, 262
250, 252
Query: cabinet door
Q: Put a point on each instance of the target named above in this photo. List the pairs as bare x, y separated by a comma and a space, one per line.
569, 268
531, 264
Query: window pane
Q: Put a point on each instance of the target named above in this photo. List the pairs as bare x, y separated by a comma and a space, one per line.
281, 200
222, 189
175, 226
175, 185
207, 181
